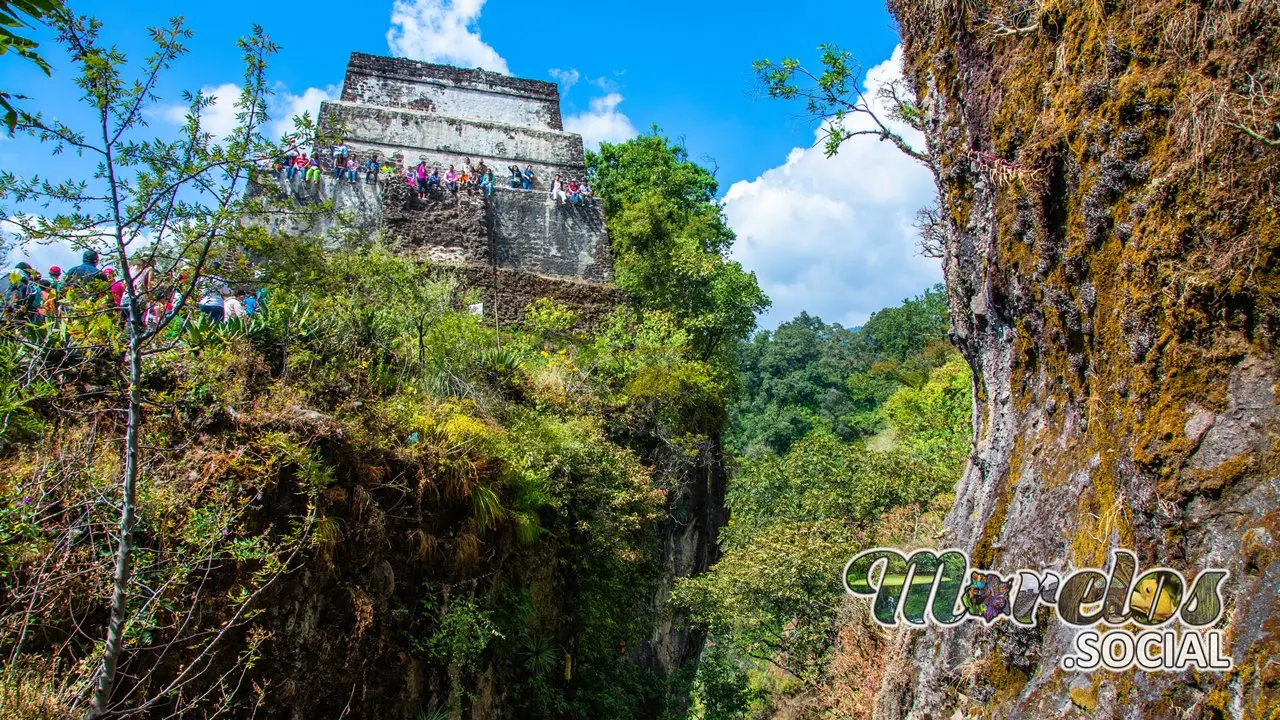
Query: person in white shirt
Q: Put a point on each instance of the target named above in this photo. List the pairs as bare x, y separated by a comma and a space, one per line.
557, 190
232, 308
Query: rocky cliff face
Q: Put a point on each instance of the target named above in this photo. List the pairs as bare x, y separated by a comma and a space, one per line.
1107, 173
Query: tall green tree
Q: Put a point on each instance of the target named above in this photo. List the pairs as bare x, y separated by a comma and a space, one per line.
671, 242
807, 374
159, 209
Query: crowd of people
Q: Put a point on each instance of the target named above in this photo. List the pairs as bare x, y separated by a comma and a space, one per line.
31, 298
423, 179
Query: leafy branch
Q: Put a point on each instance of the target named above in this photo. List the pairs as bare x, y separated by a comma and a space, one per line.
835, 98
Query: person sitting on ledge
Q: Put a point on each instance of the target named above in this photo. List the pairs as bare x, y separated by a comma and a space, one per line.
557, 190
352, 170
526, 181
299, 166
433, 180
340, 152
464, 178
313, 169
514, 180
486, 182
371, 170
451, 179
387, 173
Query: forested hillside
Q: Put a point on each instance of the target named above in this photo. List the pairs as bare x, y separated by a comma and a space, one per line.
849, 439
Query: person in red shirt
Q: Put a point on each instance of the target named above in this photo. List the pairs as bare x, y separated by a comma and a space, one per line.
299, 165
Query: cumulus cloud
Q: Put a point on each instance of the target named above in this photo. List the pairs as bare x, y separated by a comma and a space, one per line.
219, 118
286, 105
565, 78
442, 31
45, 253
835, 236
602, 122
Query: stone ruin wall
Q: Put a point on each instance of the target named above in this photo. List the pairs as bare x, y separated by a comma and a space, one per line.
515, 246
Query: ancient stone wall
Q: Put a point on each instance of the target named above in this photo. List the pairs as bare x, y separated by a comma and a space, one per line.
407, 136
451, 92
533, 233
507, 294
516, 245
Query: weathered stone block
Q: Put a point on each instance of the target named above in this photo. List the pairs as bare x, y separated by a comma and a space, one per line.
405, 136
533, 233
451, 92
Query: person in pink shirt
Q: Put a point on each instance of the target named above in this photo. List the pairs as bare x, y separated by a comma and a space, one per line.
451, 180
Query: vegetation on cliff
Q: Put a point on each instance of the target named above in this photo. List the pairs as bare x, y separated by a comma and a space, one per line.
853, 438
363, 499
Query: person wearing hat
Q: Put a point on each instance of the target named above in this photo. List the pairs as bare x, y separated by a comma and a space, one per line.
55, 277
84, 273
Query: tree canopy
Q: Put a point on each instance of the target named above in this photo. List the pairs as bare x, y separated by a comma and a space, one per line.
671, 242
808, 374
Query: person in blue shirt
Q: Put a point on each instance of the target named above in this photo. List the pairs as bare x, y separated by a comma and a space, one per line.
340, 152
526, 181
250, 305
84, 273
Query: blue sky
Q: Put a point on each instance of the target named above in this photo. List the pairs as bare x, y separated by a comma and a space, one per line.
828, 236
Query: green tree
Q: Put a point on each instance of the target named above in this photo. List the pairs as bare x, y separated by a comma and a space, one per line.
807, 374
796, 518
670, 240
159, 209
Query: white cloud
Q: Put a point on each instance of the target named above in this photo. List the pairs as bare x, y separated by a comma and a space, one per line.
602, 122
565, 78
42, 254
834, 236
442, 31
218, 118
286, 105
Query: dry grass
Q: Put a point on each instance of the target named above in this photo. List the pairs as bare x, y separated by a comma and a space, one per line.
36, 692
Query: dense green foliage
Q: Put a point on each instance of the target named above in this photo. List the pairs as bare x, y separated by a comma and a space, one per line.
508, 484
808, 375
774, 598
670, 240
848, 438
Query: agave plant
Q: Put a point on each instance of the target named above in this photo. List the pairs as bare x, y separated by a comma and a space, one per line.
539, 654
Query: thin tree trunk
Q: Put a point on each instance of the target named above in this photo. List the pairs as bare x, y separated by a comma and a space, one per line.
124, 554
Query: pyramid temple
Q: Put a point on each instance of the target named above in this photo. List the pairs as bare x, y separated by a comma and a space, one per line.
515, 245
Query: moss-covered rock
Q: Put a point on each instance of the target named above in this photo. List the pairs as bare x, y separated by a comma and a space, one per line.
1116, 296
